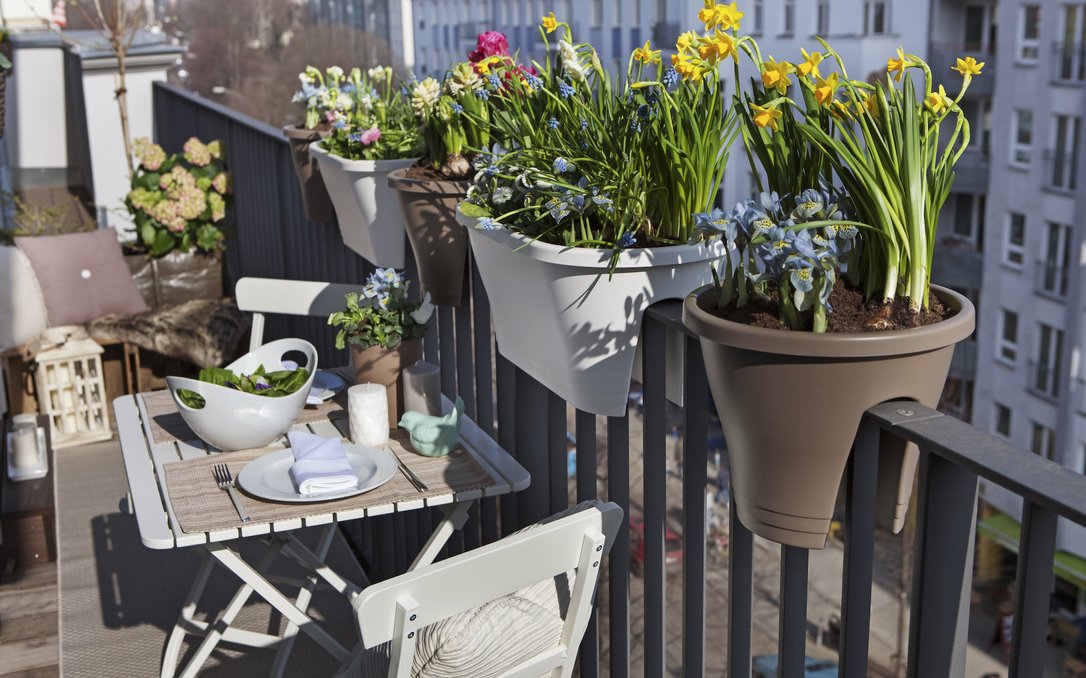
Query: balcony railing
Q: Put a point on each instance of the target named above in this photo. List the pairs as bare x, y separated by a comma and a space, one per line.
1051, 278
1068, 63
273, 239
1061, 170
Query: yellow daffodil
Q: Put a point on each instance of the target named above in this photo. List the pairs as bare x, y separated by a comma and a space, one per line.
809, 66
968, 66
720, 46
938, 101
686, 41
897, 66
866, 101
689, 67
550, 23
726, 17
766, 116
775, 75
839, 110
825, 89
484, 66
646, 55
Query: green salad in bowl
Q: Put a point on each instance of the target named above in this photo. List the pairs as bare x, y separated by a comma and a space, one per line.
274, 384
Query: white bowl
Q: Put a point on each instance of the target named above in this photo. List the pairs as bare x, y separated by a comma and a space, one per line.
235, 420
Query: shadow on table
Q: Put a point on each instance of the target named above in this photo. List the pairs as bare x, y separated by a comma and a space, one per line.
141, 586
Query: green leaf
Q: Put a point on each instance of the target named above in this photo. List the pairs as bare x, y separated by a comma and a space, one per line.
163, 243
474, 211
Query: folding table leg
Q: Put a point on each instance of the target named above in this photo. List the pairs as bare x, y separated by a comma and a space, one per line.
305, 595
180, 629
456, 515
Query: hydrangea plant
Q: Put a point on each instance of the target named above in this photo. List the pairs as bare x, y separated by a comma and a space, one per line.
381, 314
178, 201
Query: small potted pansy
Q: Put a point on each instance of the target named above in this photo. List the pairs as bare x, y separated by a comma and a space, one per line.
454, 120
583, 216
178, 203
373, 134
825, 306
322, 94
384, 330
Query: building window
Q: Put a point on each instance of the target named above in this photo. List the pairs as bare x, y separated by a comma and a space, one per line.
1029, 34
969, 218
759, 16
1071, 50
1067, 132
1003, 420
1022, 137
1043, 441
1008, 336
1057, 262
1014, 250
1046, 373
876, 17
789, 17
822, 23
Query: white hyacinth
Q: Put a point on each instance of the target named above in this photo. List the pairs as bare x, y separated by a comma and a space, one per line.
377, 73
425, 96
570, 62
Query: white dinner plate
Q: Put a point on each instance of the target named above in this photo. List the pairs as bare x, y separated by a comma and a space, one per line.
325, 385
268, 477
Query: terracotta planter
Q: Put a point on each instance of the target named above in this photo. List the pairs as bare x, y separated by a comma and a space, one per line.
562, 318
791, 403
378, 365
318, 206
370, 221
177, 277
438, 241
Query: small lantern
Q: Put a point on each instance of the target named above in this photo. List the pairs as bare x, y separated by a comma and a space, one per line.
70, 386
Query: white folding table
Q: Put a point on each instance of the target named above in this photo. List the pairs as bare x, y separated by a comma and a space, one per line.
144, 459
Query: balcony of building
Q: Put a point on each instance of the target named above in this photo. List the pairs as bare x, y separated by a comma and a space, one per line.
943, 55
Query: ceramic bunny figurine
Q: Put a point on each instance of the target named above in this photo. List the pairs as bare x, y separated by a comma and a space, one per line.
434, 436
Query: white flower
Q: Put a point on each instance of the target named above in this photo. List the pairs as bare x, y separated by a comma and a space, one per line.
425, 96
365, 104
570, 62
335, 72
344, 101
501, 195
377, 73
422, 314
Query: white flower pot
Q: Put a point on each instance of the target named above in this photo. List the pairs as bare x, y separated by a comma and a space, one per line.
559, 318
367, 209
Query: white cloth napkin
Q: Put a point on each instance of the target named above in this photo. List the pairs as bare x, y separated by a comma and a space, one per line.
320, 464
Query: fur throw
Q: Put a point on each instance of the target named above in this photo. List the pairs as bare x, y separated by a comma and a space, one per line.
203, 332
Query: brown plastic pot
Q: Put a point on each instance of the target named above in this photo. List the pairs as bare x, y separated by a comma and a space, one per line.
379, 365
438, 240
318, 206
791, 403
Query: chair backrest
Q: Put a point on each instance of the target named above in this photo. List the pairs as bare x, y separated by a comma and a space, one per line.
287, 297
396, 609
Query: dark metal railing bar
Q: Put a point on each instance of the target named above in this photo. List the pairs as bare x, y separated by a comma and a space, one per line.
792, 622
507, 417
1043, 482
943, 566
586, 490
618, 567
654, 510
531, 448
695, 459
740, 594
557, 455
465, 357
197, 101
484, 388
1037, 549
861, 481
446, 333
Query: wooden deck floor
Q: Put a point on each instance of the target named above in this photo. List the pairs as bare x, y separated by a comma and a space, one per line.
29, 645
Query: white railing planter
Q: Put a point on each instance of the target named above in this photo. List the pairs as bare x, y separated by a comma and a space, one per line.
369, 216
561, 318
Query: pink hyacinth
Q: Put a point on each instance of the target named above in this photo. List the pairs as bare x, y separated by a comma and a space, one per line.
370, 136
488, 44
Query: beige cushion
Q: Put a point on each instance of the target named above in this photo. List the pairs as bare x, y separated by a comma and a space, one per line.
22, 309
83, 276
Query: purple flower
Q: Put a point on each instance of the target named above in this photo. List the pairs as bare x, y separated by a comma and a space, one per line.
627, 240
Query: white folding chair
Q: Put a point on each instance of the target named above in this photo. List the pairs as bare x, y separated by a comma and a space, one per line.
398, 610
287, 297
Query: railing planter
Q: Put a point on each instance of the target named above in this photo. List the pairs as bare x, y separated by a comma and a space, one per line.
791, 403
562, 318
439, 242
369, 221
318, 206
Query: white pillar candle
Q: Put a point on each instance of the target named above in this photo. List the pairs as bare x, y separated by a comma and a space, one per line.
422, 388
367, 412
24, 447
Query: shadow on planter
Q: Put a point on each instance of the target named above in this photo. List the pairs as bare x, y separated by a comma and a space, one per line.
791, 404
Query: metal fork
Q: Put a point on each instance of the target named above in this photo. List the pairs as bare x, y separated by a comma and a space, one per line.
225, 481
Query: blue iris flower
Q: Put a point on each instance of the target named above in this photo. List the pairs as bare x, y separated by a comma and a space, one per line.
808, 203
558, 209
562, 165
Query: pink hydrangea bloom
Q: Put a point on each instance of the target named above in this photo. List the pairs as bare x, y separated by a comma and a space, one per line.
196, 152
488, 44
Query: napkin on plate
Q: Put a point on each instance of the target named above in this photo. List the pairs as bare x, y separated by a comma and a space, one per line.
320, 464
